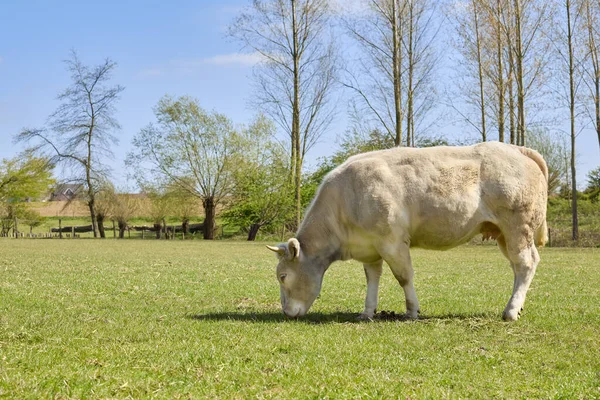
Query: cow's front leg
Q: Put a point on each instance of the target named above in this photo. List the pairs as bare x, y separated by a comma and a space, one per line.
373, 273
397, 256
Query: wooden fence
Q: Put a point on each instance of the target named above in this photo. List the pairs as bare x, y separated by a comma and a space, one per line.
160, 231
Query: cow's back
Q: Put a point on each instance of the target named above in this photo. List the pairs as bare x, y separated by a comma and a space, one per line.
436, 197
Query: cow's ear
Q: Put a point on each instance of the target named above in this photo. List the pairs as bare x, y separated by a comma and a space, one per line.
277, 249
294, 248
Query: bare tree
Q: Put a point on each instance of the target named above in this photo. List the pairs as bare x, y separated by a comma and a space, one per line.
500, 87
506, 53
591, 12
522, 23
472, 45
570, 53
295, 80
392, 76
80, 132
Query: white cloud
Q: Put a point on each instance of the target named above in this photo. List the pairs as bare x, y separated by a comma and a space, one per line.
189, 66
244, 59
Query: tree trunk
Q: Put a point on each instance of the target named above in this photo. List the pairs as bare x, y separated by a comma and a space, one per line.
511, 100
100, 220
209, 218
572, 117
158, 227
480, 72
397, 70
122, 227
410, 119
253, 231
521, 126
92, 208
185, 226
597, 105
595, 61
296, 119
500, 74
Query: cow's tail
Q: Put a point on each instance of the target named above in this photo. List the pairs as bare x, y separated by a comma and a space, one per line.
541, 234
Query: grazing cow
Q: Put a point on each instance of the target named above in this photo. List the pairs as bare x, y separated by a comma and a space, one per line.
376, 205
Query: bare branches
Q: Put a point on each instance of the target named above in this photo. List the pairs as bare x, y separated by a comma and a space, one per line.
391, 77
299, 72
80, 131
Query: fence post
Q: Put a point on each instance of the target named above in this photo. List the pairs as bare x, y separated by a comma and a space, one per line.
143, 230
114, 229
60, 228
73, 232
16, 229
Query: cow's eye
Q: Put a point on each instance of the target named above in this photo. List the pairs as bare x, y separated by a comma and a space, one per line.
282, 277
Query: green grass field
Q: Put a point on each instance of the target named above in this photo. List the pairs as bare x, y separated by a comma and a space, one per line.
195, 319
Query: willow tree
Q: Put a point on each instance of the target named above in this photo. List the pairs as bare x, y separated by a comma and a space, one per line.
190, 148
295, 80
80, 133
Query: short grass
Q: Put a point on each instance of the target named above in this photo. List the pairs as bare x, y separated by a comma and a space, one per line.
195, 319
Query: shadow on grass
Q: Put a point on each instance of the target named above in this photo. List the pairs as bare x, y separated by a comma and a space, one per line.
337, 317
312, 318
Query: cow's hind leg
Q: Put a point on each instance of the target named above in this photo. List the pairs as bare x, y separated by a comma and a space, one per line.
398, 258
524, 259
373, 273
502, 246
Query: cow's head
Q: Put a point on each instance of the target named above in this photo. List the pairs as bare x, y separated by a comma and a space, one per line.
299, 278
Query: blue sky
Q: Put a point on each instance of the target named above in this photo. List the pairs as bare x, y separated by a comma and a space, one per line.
176, 48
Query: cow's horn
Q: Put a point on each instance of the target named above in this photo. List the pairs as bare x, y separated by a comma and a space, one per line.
276, 249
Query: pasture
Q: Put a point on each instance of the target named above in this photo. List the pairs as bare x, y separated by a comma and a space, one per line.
196, 319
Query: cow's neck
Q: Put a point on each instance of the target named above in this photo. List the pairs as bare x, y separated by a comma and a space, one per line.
318, 239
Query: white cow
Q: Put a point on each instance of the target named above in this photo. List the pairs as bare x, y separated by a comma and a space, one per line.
377, 205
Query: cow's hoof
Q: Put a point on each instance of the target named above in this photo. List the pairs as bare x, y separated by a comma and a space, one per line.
511, 315
412, 314
365, 317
